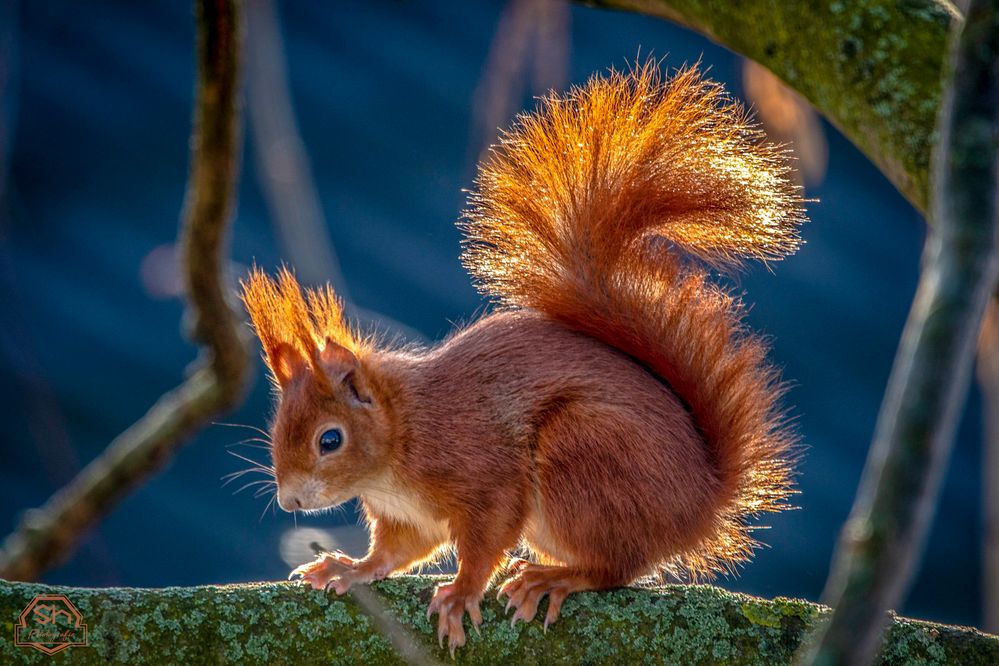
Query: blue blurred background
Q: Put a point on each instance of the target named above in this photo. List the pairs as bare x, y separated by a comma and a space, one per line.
392, 101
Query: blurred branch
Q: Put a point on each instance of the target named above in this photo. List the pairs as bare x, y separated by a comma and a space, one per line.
881, 543
530, 34
787, 119
284, 172
988, 379
551, 46
267, 623
282, 162
874, 69
49, 534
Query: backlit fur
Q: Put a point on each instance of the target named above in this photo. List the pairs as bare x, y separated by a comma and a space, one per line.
613, 415
585, 212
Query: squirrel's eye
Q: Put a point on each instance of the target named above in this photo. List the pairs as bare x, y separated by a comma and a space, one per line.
330, 441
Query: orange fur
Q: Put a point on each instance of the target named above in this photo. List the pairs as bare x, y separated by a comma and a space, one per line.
569, 219
615, 417
281, 315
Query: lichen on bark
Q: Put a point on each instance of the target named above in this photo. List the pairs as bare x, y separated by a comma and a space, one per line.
872, 67
272, 623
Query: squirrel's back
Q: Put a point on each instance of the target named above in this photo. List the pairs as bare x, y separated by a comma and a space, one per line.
604, 210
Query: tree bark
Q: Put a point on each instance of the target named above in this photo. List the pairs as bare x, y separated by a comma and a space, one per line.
883, 541
273, 623
874, 68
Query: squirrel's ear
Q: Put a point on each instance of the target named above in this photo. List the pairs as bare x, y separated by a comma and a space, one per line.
342, 367
337, 360
286, 362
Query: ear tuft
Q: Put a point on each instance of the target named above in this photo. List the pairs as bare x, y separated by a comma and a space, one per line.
286, 363
283, 315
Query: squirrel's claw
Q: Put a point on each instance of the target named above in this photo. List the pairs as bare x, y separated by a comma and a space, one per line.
323, 570
521, 595
450, 607
475, 615
441, 633
531, 584
341, 584
555, 599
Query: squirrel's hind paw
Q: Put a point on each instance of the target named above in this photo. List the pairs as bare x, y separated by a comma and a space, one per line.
451, 606
531, 582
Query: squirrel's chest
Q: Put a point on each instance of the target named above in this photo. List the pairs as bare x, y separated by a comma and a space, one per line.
388, 499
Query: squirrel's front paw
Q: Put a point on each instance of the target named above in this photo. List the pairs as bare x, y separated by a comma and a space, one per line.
342, 582
450, 604
339, 571
321, 571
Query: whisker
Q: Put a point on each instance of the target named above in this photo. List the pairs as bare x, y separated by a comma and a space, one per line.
262, 447
256, 463
265, 440
241, 425
265, 482
269, 504
249, 446
232, 476
263, 491
267, 444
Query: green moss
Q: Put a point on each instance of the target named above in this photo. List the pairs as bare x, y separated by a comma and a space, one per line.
872, 67
273, 623
761, 614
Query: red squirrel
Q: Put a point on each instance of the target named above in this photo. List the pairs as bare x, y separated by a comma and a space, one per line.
612, 417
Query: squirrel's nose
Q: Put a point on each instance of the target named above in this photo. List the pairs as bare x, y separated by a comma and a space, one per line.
288, 502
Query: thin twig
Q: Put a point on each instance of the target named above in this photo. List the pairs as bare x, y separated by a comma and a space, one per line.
881, 544
48, 535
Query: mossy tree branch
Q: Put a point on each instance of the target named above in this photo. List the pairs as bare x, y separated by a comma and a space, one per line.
873, 68
881, 542
879, 85
272, 623
49, 534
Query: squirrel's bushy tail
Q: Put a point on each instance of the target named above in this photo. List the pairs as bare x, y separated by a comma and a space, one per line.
604, 209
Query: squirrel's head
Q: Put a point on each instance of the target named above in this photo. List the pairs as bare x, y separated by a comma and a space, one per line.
331, 431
